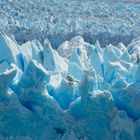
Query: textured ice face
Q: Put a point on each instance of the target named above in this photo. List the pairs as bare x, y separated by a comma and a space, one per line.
81, 91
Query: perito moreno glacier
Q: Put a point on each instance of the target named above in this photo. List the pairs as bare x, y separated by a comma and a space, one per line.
69, 70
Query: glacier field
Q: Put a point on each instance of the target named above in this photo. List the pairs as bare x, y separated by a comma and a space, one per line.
69, 70
109, 21
78, 92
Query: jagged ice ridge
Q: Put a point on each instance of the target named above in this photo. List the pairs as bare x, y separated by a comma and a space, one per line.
79, 92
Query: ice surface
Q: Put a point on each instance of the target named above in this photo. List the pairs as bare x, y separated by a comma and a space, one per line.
87, 89
79, 92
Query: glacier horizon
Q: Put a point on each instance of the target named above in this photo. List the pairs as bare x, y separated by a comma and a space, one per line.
109, 21
78, 92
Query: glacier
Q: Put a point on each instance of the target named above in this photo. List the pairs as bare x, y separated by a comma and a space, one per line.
109, 21
80, 91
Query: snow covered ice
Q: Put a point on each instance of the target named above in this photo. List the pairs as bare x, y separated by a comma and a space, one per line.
73, 86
